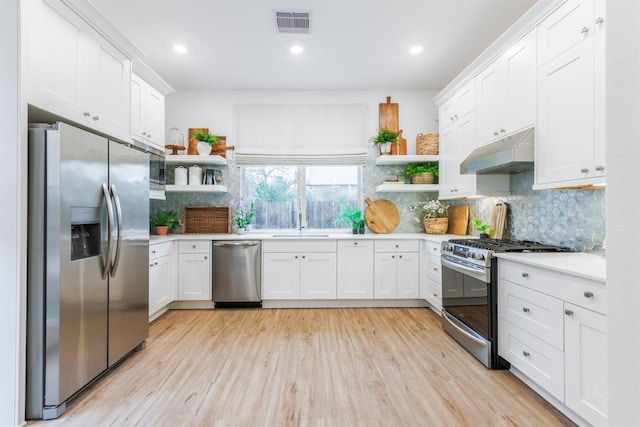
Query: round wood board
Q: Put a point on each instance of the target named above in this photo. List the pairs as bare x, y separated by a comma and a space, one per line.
381, 216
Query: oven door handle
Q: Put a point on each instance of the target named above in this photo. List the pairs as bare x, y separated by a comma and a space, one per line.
462, 268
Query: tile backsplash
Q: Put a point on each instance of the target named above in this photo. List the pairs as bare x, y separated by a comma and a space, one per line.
573, 218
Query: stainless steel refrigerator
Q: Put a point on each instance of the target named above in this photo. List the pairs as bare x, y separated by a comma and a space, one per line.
87, 261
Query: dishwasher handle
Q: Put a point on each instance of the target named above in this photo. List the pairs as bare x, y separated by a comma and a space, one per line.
242, 243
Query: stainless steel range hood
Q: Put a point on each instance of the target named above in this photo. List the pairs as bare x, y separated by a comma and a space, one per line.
513, 153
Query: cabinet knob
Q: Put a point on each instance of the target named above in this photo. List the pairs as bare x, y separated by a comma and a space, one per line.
502, 130
525, 353
194, 246
435, 268
304, 256
295, 257
599, 20
435, 295
524, 274
584, 170
96, 118
205, 257
149, 135
588, 294
151, 265
568, 312
355, 243
399, 256
600, 168
584, 30
393, 257
86, 114
144, 134
434, 249
496, 134
153, 252
525, 309
155, 263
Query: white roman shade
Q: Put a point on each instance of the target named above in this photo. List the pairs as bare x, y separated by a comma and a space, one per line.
295, 134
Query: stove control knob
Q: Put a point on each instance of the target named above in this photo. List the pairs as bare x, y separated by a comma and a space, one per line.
478, 257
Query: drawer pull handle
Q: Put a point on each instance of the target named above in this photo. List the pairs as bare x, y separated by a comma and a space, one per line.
194, 246
435, 295
599, 20
568, 312
435, 268
525, 353
205, 257
584, 170
153, 252
525, 309
525, 274
584, 30
151, 265
588, 294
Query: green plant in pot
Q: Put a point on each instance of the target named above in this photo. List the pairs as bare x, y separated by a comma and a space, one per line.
163, 220
422, 174
351, 215
384, 139
485, 229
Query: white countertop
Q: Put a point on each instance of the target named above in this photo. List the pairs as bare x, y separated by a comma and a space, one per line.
256, 235
580, 264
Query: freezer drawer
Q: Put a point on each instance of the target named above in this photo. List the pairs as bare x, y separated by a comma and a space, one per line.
236, 273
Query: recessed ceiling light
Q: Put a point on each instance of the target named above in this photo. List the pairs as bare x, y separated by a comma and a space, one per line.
180, 48
415, 50
296, 50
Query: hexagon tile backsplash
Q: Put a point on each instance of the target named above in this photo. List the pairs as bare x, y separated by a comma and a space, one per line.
573, 218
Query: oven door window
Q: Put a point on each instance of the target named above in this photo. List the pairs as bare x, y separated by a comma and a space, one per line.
466, 298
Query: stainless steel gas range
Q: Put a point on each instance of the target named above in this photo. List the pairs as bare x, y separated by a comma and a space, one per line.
470, 296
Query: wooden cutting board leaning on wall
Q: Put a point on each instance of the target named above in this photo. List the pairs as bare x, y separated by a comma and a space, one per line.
458, 220
389, 119
381, 216
498, 219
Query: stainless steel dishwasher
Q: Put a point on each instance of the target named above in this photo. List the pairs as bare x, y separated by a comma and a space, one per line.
237, 274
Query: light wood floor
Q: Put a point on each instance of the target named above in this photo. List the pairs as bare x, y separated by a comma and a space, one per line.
305, 367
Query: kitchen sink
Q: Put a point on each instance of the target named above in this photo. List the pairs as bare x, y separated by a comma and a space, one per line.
296, 236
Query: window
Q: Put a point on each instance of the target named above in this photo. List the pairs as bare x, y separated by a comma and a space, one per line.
287, 197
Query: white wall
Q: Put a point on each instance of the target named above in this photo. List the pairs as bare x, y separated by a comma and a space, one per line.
623, 205
12, 236
187, 109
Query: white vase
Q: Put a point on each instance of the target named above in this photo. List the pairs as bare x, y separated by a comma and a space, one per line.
247, 227
240, 230
385, 148
203, 148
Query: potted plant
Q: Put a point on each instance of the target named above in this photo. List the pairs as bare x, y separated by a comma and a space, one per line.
351, 215
485, 229
206, 141
422, 174
384, 139
245, 211
434, 214
163, 221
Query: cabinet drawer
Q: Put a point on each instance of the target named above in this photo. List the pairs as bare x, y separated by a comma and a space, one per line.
433, 270
433, 248
158, 250
397, 246
539, 314
194, 246
535, 358
298, 246
360, 243
576, 290
434, 290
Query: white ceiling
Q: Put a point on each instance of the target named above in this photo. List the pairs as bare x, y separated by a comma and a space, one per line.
352, 44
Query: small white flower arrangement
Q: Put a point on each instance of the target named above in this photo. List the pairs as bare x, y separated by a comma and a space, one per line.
430, 209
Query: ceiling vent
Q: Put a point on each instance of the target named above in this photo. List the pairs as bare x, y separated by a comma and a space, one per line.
292, 22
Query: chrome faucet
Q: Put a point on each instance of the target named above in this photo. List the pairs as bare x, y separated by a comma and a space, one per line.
300, 227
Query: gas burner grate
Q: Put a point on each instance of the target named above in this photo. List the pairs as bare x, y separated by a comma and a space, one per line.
504, 245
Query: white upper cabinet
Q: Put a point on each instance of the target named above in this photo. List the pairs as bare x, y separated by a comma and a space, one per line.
571, 97
147, 113
461, 103
507, 92
76, 74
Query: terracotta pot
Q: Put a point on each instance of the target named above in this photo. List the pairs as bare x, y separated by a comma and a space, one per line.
162, 230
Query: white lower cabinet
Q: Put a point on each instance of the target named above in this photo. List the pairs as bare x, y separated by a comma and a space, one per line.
553, 328
355, 269
396, 273
433, 277
299, 270
194, 270
160, 276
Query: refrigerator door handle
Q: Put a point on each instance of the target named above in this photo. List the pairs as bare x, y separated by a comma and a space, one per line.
116, 260
107, 261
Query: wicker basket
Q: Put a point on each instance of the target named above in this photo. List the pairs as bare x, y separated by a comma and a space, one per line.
206, 220
427, 144
422, 178
436, 225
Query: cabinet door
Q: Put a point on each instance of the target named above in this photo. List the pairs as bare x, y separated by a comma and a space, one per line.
155, 118
408, 275
138, 116
520, 85
492, 97
318, 275
281, 275
565, 133
467, 134
566, 27
160, 290
355, 270
194, 281
586, 378
384, 283
448, 165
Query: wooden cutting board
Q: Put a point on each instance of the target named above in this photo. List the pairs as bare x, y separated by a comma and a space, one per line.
498, 219
458, 220
389, 119
381, 216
